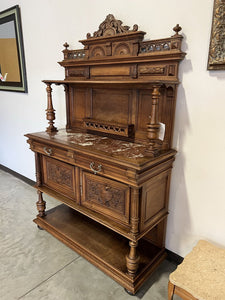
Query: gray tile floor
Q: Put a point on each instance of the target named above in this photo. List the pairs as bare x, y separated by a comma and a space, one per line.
35, 265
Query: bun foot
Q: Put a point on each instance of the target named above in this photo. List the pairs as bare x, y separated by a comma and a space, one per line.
129, 292
40, 228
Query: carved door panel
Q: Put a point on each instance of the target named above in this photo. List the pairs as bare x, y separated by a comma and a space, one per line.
59, 176
106, 196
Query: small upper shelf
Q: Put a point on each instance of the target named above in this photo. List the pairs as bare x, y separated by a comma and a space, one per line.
113, 82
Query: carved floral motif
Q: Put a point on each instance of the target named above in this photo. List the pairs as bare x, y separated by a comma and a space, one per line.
105, 195
152, 70
217, 44
110, 27
59, 175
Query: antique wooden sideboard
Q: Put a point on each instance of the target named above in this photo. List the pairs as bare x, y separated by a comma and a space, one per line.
111, 166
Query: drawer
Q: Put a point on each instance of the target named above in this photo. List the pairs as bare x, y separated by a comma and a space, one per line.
91, 163
52, 151
106, 196
59, 176
102, 167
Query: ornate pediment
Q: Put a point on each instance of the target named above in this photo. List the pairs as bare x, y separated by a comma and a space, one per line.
113, 39
110, 27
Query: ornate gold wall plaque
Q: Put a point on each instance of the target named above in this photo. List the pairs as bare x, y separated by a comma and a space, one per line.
216, 60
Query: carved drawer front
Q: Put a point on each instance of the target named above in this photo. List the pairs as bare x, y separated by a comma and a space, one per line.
78, 72
59, 176
106, 196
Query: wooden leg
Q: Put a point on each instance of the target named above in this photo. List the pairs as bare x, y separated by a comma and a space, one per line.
41, 205
132, 259
171, 288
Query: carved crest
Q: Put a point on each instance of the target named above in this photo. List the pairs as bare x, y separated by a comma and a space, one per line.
110, 27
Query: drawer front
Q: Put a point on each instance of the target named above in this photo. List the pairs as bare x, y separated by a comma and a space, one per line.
100, 167
106, 196
59, 176
50, 151
85, 161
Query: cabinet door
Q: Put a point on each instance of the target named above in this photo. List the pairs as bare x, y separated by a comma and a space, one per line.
106, 196
59, 176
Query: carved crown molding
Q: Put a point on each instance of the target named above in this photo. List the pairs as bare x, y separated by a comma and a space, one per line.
110, 27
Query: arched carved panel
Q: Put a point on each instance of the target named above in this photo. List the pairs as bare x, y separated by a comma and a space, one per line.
122, 49
97, 51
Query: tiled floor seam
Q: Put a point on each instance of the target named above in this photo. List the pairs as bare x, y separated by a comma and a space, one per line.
21, 297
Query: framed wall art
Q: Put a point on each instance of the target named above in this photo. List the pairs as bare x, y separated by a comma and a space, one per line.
12, 60
216, 59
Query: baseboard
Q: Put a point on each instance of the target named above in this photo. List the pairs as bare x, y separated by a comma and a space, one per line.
173, 257
17, 175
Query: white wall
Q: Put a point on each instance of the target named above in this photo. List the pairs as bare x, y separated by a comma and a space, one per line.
197, 207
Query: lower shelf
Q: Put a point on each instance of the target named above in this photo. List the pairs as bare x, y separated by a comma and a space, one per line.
101, 246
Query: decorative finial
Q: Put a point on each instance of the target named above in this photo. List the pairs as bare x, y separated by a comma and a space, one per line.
66, 45
88, 35
135, 27
177, 28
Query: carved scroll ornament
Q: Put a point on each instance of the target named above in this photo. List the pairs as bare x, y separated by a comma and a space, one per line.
216, 60
110, 27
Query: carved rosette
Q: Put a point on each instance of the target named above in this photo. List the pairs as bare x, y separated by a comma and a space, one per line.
216, 58
111, 26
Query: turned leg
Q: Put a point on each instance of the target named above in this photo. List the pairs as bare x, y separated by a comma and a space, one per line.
50, 112
132, 259
171, 288
41, 204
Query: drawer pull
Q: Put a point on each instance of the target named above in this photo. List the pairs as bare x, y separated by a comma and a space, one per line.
99, 168
48, 151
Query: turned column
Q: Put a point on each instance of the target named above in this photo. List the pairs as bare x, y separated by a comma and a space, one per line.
41, 205
50, 112
134, 219
66, 90
153, 127
38, 169
132, 259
